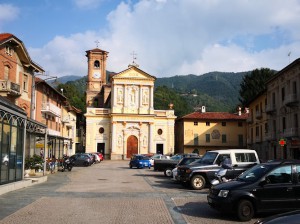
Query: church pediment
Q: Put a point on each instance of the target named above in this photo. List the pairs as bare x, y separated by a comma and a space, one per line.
133, 73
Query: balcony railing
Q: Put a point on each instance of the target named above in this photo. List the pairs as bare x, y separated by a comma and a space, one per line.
291, 99
270, 108
258, 114
51, 109
291, 132
53, 132
270, 136
249, 120
66, 119
10, 88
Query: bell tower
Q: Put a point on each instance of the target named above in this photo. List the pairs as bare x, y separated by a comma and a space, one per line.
96, 76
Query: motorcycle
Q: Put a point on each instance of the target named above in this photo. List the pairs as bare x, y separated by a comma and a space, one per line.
221, 174
67, 164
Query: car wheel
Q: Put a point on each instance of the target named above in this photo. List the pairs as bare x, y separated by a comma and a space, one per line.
245, 210
168, 172
198, 182
86, 163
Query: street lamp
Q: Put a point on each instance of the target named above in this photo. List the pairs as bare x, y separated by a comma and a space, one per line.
33, 87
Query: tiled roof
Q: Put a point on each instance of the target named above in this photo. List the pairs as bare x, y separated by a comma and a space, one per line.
215, 116
4, 36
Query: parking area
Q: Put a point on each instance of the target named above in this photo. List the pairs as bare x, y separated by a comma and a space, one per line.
109, 192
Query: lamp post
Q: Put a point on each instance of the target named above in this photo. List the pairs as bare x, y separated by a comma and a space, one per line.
33, 87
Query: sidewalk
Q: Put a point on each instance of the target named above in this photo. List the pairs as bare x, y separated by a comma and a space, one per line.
26, 182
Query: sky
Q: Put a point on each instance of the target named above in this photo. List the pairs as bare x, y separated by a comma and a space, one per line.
164, 37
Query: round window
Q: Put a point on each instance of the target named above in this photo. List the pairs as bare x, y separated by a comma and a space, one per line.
159, 131
101, 130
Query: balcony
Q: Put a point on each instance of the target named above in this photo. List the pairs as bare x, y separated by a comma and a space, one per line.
249, 120
270, 136
291, 100
258, 114
258, 139
53, 132
51, 109
10, 88
66, 119
270, 109
291, 132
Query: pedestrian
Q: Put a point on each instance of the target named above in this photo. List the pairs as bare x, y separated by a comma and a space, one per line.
52, 164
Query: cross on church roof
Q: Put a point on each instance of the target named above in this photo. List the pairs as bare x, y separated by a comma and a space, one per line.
133, 58
97, 43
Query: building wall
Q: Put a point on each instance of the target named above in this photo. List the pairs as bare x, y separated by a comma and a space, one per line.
215, 130
16, 74
283, 97
258, 134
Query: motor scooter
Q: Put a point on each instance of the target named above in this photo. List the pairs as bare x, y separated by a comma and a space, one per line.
67, 164
220, 175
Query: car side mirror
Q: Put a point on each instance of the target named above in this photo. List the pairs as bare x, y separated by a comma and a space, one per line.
264, 181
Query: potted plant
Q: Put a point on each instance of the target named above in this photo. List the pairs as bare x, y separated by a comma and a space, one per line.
33, 163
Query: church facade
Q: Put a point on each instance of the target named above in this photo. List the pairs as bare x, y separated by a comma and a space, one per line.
120, 116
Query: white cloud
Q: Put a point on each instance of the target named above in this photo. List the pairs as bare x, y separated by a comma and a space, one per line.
8, 13
174, 37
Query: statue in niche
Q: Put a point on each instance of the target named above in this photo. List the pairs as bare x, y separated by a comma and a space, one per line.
132, 96
120, 96
145, 141
120, 140
145, 97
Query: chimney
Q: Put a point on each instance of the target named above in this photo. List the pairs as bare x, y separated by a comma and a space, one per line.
246, 110
203, 109
240, 111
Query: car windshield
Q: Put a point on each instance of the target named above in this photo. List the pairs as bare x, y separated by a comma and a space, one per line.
255, 173
208, 158
176, 157
198, 161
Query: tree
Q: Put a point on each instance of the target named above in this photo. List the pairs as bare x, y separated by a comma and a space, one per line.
163, 96
253, 84
74, 96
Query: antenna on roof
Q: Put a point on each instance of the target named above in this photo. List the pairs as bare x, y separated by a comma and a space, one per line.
289, 55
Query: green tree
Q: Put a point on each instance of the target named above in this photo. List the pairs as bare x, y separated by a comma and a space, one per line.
253, 84
163, 96
74, 96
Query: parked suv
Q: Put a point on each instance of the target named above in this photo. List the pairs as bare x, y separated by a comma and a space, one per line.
201, 172
267, 187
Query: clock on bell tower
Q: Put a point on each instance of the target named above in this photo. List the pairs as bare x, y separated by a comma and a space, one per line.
96, 76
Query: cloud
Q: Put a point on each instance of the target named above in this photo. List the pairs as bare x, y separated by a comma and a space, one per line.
8, 13
174, 37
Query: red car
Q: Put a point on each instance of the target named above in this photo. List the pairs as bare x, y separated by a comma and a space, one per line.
100, 155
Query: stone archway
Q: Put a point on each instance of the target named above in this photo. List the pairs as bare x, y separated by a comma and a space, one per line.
132, 146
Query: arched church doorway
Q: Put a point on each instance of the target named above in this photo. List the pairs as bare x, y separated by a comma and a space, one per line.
132, 146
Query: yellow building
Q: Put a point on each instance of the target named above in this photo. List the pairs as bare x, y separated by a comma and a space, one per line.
258, 134
202, 131
120, 117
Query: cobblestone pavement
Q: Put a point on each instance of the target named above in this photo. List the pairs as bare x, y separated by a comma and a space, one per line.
109, 192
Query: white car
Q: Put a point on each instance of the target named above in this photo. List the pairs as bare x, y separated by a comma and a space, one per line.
158, 156
5, 160
174, 173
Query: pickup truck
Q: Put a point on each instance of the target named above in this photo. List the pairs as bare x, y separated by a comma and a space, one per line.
200, 173
167, 165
